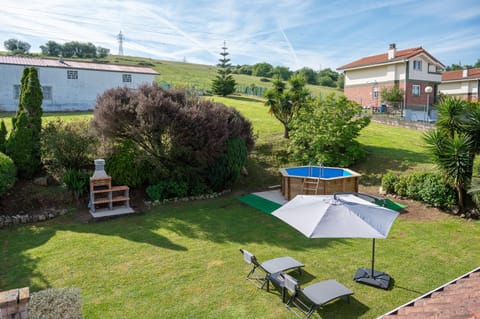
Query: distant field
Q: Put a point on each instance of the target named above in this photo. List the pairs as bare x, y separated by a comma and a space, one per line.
188, 74
200, 76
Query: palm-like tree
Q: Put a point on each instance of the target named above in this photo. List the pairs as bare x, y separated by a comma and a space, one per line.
453, 156
472, 125
451, 112
284, 104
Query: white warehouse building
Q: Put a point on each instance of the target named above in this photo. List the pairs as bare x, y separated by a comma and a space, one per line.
67, 85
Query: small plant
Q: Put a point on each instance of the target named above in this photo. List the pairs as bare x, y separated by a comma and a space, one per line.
53, 303
76, 181
167, 189
8, 172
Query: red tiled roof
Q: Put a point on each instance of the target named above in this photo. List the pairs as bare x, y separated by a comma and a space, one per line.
383, 58
458, 299
73, 64
458, 75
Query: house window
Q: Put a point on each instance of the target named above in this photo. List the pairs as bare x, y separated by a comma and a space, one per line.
127, 77
72, 75
16, 92
417, 65
416, 90
47, 92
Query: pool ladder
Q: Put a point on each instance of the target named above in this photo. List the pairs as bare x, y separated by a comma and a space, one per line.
310, 186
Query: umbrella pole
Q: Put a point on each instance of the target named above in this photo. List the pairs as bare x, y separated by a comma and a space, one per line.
373, 254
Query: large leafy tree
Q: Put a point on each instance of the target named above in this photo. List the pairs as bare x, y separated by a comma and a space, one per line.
224, 83
16, 46
325, 132
263, 69
393, 95
283, 103
52, 48
182, 136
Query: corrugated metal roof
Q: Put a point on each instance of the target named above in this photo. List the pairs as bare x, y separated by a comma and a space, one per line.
383, 58
73, 64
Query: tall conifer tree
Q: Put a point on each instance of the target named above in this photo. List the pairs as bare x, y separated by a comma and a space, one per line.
23, 145
224, 83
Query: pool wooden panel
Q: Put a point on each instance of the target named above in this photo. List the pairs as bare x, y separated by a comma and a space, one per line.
292, 186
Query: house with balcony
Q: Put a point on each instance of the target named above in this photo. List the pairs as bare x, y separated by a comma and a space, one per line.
414, 70
68, 85
464, 84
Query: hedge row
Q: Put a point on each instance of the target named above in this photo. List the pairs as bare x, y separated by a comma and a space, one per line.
429, 188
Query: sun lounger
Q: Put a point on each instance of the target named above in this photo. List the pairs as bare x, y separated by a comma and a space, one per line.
280, 264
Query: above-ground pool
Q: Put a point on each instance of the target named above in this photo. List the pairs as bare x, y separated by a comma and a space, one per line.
317, 180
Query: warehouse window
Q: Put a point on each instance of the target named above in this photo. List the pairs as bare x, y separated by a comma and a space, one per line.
16, 92
127, 77
72, 74
47, 92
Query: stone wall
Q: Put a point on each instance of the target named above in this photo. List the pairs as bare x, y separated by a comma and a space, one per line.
25, 218
400, 122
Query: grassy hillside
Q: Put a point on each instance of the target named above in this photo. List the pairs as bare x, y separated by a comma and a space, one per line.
182, 74
198, 75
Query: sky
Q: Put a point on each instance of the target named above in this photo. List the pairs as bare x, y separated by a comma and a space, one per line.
300, 33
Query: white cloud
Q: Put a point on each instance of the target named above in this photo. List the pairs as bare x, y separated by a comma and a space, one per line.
290, 33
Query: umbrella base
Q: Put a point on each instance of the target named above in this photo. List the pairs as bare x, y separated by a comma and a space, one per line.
379, 279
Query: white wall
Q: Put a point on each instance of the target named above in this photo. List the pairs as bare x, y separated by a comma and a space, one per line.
67, 94
424, 74
380, 74
459, 88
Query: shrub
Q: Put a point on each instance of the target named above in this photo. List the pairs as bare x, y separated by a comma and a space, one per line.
388, 182
429, 188
76, 181
167, 189
53, 303
226, 170
401, 186
8, 171
67, 145
127, 165
414, 184
436, 192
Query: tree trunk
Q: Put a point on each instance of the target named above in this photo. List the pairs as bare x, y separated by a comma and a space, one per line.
285, 131
460, 198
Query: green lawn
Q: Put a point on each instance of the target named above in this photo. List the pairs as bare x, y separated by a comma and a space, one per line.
183, 260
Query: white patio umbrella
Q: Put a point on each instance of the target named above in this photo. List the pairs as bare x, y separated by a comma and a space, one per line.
341, 216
